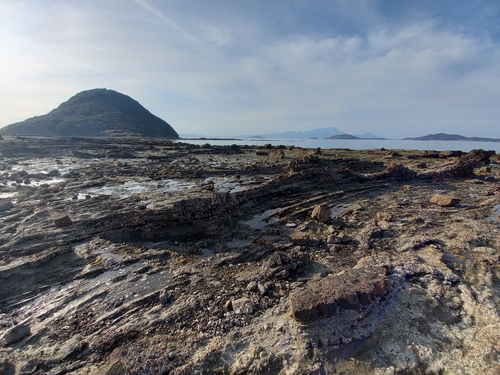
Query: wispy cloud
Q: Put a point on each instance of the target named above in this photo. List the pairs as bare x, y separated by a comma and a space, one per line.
146, 5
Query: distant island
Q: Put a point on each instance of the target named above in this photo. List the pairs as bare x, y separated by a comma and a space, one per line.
323, 133
452, 137
95, 113
349, 136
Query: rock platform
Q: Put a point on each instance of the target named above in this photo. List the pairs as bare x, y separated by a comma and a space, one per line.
147, 256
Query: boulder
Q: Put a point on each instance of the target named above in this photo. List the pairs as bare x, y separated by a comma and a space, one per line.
17, 333
349, 290
242, 306
61, 219
321, 214
299, 238
445, 200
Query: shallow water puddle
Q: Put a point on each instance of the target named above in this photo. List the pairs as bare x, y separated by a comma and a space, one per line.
130, 188
260, 221
45, 165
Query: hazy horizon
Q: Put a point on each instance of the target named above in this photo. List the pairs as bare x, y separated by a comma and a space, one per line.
395, 69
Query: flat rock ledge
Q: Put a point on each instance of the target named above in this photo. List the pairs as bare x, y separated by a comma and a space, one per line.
349, 290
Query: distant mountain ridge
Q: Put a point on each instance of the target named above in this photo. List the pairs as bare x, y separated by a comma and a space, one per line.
95, 113
322, 133
452, 137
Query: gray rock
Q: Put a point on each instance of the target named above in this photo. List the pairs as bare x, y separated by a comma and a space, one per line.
242, 306
17, 333
7, 205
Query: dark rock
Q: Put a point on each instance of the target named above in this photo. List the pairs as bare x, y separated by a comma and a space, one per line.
85, 155
6, 205
479, 156
452, 262
166, 297
280, 265
120, 154
397, 172
61, 219
430, 154
450, 154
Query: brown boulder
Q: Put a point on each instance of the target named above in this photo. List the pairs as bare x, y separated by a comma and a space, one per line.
299, 238
347, 290
445, 200
321, 213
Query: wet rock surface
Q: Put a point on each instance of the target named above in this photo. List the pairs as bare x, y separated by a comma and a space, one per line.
142, 256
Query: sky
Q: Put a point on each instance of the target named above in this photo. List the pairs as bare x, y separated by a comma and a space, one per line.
232, 67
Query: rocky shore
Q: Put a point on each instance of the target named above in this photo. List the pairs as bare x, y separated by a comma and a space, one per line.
145, 256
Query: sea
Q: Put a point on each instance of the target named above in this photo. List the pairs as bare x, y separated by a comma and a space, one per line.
353, 144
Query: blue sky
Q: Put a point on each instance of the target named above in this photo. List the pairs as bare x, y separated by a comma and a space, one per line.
227, 67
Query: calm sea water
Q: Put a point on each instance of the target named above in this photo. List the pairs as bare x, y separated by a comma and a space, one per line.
357, 144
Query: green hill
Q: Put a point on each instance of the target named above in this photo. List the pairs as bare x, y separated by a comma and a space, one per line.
95, 113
